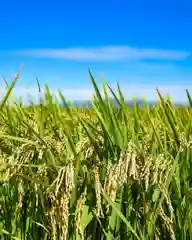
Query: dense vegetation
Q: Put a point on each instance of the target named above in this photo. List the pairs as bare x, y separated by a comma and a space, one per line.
100, 173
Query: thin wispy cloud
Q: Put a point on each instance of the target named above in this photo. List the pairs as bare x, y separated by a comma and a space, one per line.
32, 93
105, 53
177, 92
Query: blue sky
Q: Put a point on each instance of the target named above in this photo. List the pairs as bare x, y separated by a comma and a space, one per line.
141, 44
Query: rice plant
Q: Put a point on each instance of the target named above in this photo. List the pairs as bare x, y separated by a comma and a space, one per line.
104, 172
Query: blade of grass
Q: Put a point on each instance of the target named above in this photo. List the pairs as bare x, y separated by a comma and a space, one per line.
10, 89
129, 227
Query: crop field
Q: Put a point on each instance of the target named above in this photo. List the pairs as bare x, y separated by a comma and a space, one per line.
104, 172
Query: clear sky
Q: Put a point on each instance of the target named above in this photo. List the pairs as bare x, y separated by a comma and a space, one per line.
141, 44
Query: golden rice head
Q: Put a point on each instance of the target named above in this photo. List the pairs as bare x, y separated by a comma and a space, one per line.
184, 143
129, 161
168, 223
111, 181
24, 154
86, 146
98, 190
65, 215
160, 168
78, 214
57, 145
69, 179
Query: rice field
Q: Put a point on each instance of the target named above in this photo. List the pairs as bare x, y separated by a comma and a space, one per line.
95, 173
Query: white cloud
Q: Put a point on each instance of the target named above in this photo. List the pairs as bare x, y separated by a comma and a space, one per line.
148, 91
33, 93
105, 53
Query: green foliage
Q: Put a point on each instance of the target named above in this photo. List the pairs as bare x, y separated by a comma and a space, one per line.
95, 173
